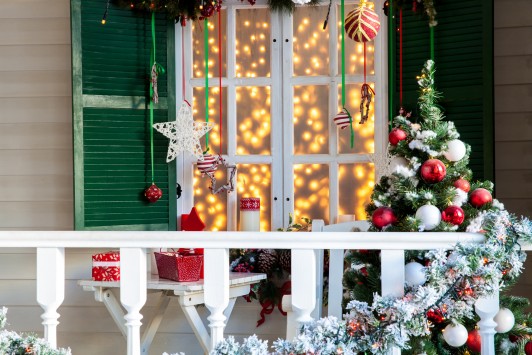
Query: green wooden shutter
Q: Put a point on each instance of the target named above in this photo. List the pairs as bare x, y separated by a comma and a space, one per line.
464, 71
110, 91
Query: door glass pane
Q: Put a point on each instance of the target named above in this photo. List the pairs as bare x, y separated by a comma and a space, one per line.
252, 43
198, 53
311, 191
254, 180
253, 120
364, 133
354, 51
211, 208
355, 184
198, 110
311, 119
310, 41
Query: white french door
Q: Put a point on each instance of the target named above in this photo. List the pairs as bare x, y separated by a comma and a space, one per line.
281, 87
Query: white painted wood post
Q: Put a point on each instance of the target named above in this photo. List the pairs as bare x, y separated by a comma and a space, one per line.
487, 308
216, 291
393, 278
291, 323
133, 289
336, 273
303, 284
50, 288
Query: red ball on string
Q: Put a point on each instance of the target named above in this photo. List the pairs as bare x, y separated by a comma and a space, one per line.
208, 164
462, 184
382, 217
528, 348
396, 135
342, 119
473, 341
453, 215
479, 197
153, 193
362, 24
433, 171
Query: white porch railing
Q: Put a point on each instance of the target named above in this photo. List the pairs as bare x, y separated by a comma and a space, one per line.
50, 247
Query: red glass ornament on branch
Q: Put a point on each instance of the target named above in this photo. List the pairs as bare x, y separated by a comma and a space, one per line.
473, 341
435, 316
153, 193
479, 197
383, 216
396, 135
528, 348
462, 184
453, 215
433, 171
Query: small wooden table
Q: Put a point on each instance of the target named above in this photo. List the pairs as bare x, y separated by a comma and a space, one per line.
189, 295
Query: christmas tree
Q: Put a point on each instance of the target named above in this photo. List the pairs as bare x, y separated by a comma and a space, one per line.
427, 186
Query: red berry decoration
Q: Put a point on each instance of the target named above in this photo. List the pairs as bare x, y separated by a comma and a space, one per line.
453, 215
528, 348
473, 341
382, 217
396, 135
153, 193
462, 184
435, 316
479, 197
433, 171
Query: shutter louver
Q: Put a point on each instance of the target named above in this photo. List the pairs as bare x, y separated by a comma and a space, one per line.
111, 119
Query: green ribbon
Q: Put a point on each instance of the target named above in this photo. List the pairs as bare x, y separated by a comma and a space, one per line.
206, 50
342, 14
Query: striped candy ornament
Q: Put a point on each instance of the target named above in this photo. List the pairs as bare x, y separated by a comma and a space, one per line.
208, 164
341, 119
362, 24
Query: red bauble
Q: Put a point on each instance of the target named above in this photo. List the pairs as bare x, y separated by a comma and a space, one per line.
362, 24
382, 217
454, 215
479, 197
435, 316
433, 171
462, 184
528, 348
396, 135
473, 341
153, 193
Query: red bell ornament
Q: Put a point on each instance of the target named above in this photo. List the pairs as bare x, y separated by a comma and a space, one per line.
453, 215
473, 341
479, 197
382, 217
153, 193
362, 24
396, 135
433, 171
462, 184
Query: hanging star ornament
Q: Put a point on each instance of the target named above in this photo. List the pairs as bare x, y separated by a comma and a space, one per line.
184, 133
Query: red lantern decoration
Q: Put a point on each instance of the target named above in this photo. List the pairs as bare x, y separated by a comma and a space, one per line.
462, 184
383, 216
396, 135
362, 24
528, 348
473, 341
479, 197
433, 171
453, 215
153, 193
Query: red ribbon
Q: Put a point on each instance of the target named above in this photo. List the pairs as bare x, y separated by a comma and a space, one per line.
268, 306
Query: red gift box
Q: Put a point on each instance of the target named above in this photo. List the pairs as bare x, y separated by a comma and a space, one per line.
179, 266
106, 266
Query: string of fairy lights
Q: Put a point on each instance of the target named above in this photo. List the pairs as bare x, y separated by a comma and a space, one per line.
311, 116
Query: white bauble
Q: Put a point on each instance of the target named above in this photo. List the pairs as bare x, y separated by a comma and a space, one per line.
398, 162
505, 320
456, 150
301, 2
430, 216
415, 274
455, 335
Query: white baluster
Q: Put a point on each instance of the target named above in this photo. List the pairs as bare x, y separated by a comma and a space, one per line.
291, 324
216, 291
133, 283
336, 273
50, 288
393, 278
303, 284
487, 308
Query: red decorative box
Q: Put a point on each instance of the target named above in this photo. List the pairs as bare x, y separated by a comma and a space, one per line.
106, 266
179, 266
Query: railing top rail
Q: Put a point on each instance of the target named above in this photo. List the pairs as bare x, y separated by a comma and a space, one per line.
216, 240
